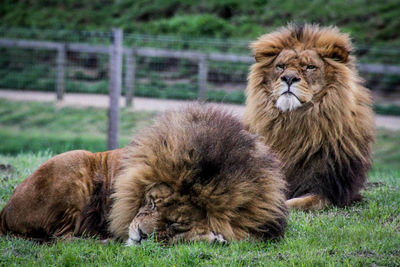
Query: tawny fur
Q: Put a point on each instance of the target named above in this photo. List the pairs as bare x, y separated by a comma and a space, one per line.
198, 165
216, 171
325, 143
66, 196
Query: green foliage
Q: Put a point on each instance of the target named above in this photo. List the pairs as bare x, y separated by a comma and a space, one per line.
192, 25
368, 21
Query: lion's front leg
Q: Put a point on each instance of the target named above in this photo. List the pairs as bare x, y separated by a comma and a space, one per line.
209, 237
308, 202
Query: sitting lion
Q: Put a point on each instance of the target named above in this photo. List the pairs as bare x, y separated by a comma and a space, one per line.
195, 174
306, 99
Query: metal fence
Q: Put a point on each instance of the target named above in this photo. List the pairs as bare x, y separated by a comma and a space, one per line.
154, 66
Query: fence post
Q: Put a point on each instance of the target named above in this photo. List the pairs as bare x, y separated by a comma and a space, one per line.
116, 50
130, 68
60, 87
202, 77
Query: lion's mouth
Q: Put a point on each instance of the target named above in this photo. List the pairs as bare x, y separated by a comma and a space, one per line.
290, 93
288, 101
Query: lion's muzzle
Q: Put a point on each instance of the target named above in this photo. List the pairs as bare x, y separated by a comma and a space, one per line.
143, 225
288, 92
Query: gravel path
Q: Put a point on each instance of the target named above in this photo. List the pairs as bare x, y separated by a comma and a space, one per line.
148, 104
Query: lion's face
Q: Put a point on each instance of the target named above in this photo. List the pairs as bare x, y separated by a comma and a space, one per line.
295, 77
167, 216
296, 64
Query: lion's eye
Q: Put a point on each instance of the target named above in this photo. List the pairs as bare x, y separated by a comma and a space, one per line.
280, 66
152, 204
311, 67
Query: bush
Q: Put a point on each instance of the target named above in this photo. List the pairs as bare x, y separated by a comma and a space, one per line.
192, 25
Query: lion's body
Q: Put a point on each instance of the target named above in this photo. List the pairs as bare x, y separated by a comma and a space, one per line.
67, 196
195, 174
323, 138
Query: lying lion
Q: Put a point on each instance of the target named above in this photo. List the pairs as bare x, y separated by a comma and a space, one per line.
306, 99
195, 174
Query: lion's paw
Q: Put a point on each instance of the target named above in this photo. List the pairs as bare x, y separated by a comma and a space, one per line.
217, 238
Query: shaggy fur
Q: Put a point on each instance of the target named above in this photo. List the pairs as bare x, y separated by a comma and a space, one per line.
195, 174
215, 178
306, 99
66, 196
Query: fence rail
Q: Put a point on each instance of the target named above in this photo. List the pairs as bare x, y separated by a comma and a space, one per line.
132, 52
205, 62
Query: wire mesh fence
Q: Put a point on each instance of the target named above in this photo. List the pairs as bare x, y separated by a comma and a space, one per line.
87, 71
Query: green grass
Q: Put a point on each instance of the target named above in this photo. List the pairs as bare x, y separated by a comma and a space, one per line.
365, 234
33, 127
386, 150
362, 235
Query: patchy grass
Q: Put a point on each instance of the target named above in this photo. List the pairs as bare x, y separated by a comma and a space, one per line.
364, 234
32, 127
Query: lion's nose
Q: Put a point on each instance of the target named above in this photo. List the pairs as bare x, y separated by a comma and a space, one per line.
136, 236
142, 234
290, 79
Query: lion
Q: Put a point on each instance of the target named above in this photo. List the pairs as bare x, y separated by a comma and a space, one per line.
307, 101
195, 174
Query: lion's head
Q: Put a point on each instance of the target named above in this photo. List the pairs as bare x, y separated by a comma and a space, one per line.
307, 101
296, 65
197, 174
169, 216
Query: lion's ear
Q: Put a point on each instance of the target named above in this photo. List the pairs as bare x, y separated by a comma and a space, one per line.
335, 45
337, 53
263, 50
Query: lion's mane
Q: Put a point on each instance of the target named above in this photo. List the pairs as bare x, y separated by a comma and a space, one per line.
325, 145
206, 156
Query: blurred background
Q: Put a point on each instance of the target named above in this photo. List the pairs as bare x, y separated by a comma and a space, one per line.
173, 49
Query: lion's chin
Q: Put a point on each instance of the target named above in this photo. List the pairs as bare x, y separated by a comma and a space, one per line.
288, 102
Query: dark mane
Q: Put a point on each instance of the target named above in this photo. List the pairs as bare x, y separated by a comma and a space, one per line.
298, 31
93, 218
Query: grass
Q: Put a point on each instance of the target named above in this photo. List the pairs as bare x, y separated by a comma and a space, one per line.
34, 126
386, 152
364, 234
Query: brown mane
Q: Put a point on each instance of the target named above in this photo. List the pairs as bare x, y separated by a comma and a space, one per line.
207, 158
324, 145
